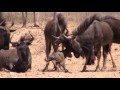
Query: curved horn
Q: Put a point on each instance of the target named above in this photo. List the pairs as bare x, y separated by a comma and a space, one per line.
66, 37
28, 41
2, 22
59, 28
55, 37
67, 31
11, 38
31, 36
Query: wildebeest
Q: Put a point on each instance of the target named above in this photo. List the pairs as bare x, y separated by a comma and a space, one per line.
54, 27
58, 59
115, 26
17, 59
88, 39
50, 30
4, 34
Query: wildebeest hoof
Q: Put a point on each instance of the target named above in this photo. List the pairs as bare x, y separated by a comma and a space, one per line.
43, 70
97, 70
83, 70
36, 25
69, 72
103, 68
29, 70
113, 69
66, 71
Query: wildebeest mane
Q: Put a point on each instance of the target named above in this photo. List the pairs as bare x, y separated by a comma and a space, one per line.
83, 27
110, 17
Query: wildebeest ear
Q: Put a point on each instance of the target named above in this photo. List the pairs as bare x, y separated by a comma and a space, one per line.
27, 42
11, 30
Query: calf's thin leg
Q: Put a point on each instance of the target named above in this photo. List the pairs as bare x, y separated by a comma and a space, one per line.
46, 67
63, 65
55, 47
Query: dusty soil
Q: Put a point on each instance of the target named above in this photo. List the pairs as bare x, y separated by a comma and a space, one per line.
73, 65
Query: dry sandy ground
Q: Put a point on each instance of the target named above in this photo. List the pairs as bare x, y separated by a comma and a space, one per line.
73, 65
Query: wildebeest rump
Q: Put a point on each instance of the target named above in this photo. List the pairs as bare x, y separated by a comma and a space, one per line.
18, 59
88, 39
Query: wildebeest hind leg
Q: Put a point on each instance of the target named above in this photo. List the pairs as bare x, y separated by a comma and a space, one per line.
48, 48
98, 57
113, 63
105, 53
55, 65
63, 65
109, 50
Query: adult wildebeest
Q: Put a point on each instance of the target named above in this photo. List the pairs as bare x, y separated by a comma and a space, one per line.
88, 39
54, 27
4, 34
17, 59
115, 26
51, 29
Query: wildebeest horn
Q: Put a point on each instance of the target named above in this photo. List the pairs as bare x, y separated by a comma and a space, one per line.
59, 27
31, 36
28, 41
66, 36
2, 22
14, 44
55, 37
11, 38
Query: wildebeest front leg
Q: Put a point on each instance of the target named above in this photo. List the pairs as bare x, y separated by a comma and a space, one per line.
46, 67
105, 53
63, 65
48, 47
98, 57
62, 47
11, 66
84, 68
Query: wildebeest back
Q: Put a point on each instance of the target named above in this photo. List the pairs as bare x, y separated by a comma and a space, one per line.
8, 56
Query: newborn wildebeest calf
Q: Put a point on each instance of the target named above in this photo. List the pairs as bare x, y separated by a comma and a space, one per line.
58, 59
19, 58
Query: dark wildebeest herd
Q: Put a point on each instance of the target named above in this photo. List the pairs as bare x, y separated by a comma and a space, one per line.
88, 38
86, 41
